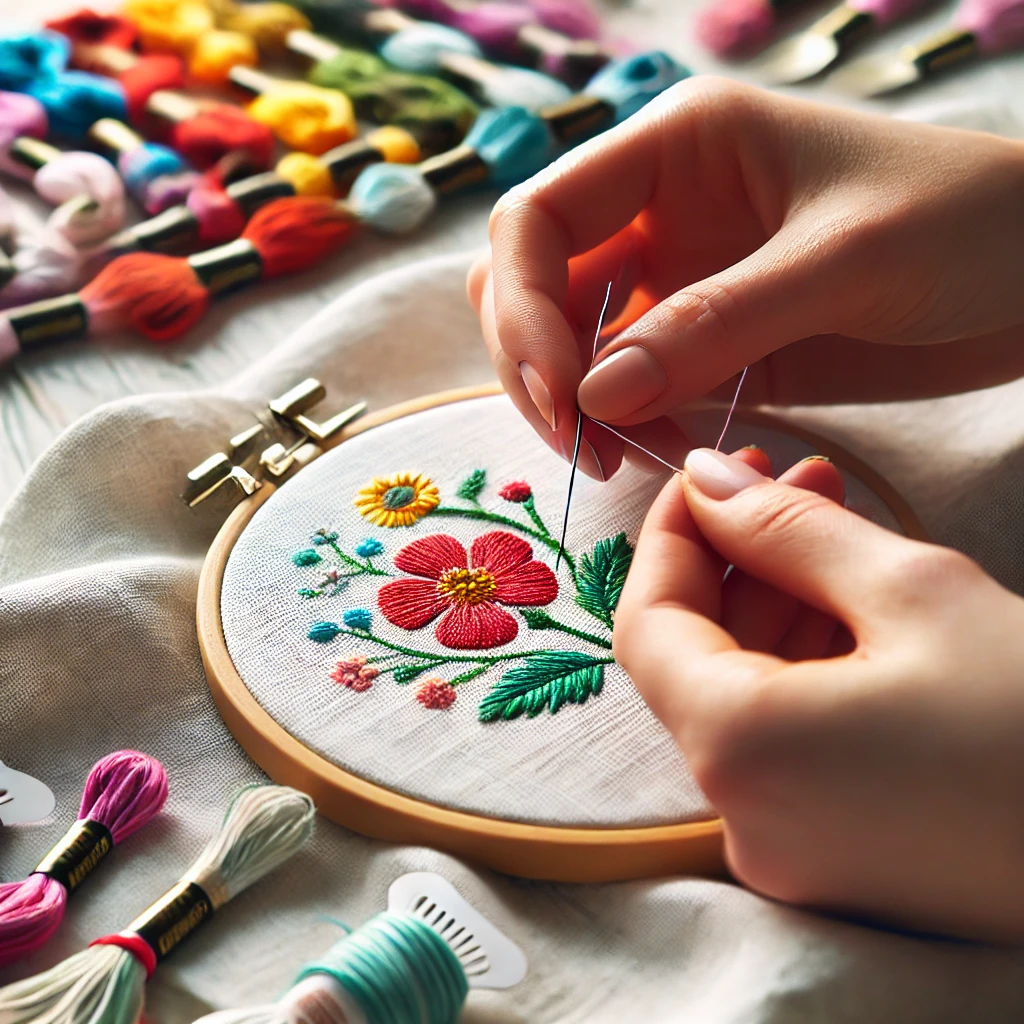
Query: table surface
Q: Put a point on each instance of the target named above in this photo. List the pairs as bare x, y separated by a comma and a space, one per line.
43, 393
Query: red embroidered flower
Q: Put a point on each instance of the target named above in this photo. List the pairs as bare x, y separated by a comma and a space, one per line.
500, 569
354, 673
517, 491
436, 694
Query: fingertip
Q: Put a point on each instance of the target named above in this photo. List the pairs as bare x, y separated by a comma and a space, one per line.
817, 473
755, 457
477, 278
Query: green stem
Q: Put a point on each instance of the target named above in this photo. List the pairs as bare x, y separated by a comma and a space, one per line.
580, 634
490, 659
531, 511
496, 517
356, 564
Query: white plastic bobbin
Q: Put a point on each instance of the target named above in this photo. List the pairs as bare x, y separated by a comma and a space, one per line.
23, 799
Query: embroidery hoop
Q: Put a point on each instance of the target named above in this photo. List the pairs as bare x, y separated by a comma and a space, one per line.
547, 852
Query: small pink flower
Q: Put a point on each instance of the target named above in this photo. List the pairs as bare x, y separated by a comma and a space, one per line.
436, 694
354, 673
517, 492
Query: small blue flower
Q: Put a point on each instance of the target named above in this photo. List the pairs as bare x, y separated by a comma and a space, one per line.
323, 632
358, 618
369, 547
323, 537
306, 557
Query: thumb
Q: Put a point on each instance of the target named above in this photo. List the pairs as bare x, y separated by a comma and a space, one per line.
706, 333
798, 541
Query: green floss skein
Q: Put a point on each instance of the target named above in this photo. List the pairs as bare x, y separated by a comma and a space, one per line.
397, 970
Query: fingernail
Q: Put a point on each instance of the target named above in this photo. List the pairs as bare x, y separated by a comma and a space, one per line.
621, 384
816, 458
751, 448
539, 393
718, 475
587, 446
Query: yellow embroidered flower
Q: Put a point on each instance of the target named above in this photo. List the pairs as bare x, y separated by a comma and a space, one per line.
400, 500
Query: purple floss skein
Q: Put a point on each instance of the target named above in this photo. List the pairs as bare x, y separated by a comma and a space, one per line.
574, 18
124, 791
19, 115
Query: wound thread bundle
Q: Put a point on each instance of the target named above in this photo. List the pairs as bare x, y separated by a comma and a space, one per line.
432, 49
123, 792
105, 984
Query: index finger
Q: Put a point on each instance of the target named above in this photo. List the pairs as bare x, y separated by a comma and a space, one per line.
582, 200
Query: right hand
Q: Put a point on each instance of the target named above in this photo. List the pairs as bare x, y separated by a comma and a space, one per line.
745, 227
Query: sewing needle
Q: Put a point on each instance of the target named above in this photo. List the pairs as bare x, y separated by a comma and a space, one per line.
579, 433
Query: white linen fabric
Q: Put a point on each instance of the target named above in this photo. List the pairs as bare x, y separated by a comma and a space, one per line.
606, 763
99, 561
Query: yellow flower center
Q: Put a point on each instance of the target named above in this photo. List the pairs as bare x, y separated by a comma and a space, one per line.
467, 586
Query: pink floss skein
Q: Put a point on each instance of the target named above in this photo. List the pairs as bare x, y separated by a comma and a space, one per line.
71, 179
19, 115
123, 792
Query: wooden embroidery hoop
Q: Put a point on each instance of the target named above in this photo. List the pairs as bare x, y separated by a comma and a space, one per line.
527, 851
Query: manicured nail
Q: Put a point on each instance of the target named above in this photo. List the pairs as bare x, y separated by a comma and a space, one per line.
719, 476
621, 384
539, 393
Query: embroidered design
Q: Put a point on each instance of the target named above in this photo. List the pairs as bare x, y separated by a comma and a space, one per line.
355, 673
468, 594
467, 591
306, 557
436, 694
400, 500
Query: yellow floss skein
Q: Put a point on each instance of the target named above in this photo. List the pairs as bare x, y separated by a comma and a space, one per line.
169, 25
397, 145
218, 52
266, 24
306, 117
307, 174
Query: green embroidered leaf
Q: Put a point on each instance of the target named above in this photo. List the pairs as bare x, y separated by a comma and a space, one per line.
407, 673
471, 487
464, 677
602, 575
549, 679
537, 618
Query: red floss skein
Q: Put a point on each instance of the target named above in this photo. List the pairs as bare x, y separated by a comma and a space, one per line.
86, 26
220, 129
162, 296
148, 75
123, 792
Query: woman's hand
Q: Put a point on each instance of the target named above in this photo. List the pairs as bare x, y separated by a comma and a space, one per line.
736, 224
852, 702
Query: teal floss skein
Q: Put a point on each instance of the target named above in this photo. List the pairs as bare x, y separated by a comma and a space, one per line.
513, 142
31, 57
420, 47
74, 101
393, 198
629, 84
396, 969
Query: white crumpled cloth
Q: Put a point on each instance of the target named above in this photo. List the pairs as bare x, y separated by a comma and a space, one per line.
99, 561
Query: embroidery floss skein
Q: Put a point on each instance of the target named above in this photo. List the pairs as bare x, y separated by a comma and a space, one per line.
514, 32
75, 101
415, 961
432, 49
123, 792
576, 19
202, 132
163, 296
734, 28
105, 984
86, 190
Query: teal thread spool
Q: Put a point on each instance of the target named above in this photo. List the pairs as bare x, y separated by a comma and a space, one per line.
396, 970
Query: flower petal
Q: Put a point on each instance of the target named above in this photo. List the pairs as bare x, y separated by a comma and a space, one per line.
530, 584
431, 556
410, 603
499, 552
475, 627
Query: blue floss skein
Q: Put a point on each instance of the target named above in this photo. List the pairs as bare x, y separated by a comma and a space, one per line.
143, 165
420, 47
393, 198
513, 142
629, 84
74, 101
396, 969
31, 57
